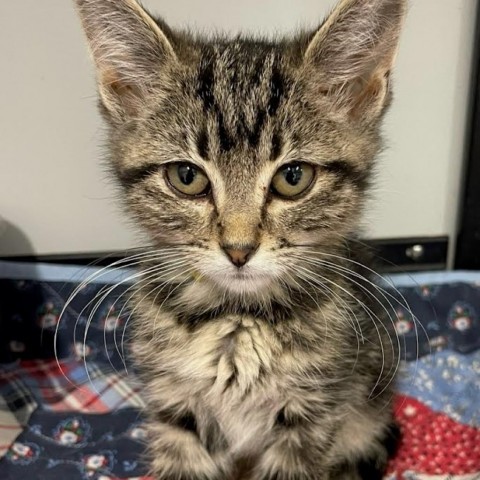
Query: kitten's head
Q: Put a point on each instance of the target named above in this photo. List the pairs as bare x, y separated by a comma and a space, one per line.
238, 151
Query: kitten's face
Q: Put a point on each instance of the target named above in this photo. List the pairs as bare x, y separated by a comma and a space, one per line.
239, 152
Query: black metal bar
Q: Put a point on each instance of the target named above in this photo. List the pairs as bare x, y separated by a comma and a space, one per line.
410, 254
467, 254
95, 259
392, 255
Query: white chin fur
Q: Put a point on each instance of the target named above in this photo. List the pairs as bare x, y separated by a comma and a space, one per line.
241, 283
256, 278
215, 286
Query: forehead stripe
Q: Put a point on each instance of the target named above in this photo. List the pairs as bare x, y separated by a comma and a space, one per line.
229, 136
277, 91
206, 82
202, 143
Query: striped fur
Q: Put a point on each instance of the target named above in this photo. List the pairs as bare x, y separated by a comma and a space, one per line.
280, 370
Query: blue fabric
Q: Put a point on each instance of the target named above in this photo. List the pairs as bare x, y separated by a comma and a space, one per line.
440, 316
73, 446
29, 321
447, 382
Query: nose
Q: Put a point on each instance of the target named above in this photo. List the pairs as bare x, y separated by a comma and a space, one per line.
239, 255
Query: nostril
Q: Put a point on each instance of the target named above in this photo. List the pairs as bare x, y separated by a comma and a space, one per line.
239, 255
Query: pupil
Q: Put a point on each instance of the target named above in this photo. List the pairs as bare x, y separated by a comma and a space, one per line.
293, 174
187, 174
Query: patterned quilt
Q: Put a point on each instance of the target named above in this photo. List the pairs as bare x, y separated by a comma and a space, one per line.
81, 417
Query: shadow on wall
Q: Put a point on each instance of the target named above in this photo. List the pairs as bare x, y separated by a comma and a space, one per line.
13, 241
20, 331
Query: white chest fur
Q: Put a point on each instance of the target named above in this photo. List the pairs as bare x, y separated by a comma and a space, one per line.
232, 362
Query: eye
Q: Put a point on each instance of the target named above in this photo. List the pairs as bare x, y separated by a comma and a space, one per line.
292, 179
188, 179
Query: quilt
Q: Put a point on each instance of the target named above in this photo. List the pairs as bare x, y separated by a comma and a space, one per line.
71, 407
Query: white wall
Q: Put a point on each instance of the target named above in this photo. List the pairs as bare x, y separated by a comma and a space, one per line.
54, 193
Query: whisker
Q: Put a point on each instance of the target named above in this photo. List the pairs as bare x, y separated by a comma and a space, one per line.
103, 293
149, 272
95, 309
369, 312
150, 292
416, 321
358, 334
338, 270
122, 263
169, 294
152, 279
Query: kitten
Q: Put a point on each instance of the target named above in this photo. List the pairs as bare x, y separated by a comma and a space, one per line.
259, 339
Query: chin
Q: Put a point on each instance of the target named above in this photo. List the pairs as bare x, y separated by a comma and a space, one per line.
247, 285
244, 284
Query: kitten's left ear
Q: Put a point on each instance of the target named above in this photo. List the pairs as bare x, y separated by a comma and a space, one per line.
129, 48
353, 52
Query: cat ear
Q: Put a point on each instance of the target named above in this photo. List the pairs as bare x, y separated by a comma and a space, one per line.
129, 49
354, 51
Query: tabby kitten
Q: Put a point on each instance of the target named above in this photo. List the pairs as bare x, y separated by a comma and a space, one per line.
259, 339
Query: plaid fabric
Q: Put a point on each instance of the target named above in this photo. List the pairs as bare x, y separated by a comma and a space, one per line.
10, 427
66, 386
46, 408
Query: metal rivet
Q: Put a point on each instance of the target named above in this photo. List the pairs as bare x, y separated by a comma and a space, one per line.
415, 252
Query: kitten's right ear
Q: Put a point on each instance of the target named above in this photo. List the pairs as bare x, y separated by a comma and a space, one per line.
129, 49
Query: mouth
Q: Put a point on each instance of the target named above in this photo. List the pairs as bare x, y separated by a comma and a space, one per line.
241, 274
243, 282
258, 278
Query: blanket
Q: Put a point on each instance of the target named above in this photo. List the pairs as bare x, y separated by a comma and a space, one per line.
79, 415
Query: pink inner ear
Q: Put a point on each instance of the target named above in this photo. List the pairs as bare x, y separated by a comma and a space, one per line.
361, 98
120, 92
368, 95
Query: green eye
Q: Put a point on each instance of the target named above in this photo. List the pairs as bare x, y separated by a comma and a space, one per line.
188, 179
292, 179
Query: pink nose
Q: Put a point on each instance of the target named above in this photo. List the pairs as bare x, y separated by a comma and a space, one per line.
239, 255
